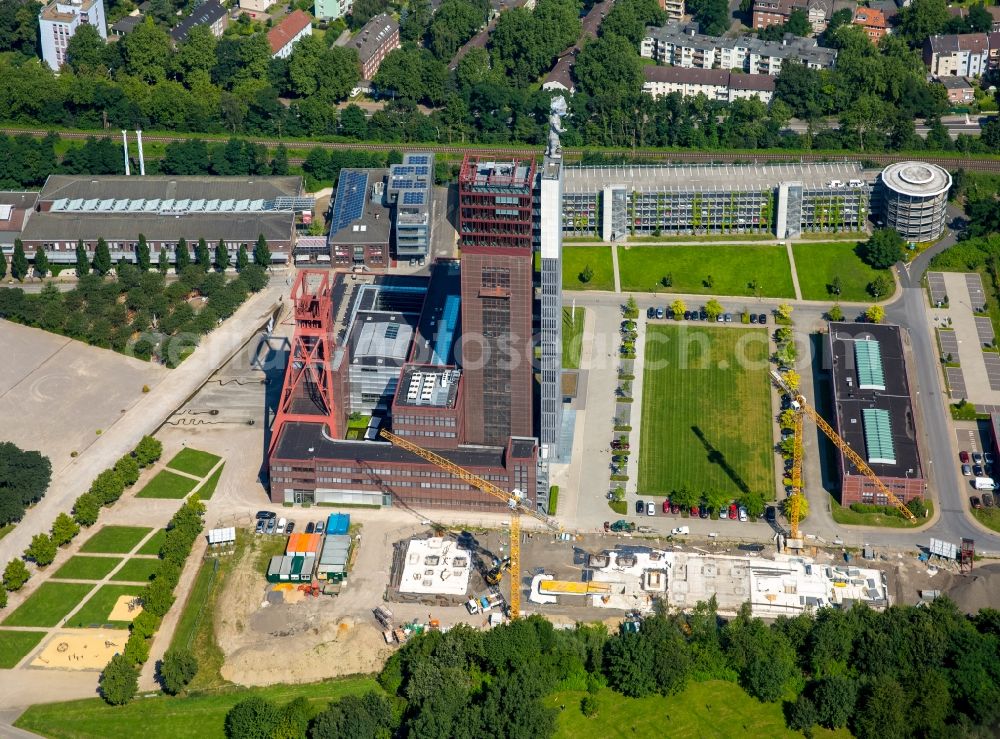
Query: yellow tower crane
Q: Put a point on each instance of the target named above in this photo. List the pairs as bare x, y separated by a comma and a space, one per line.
803, 408
514, 501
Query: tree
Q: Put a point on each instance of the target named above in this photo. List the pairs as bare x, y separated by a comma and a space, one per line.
609, 66
261, 254
712, 15
792, 379
86, 509
588, 706
834, 287
786, 507
787, 418
128, 470
754, 503
802, 715
221, 256
148, 451
416, 20
64, 529
355, 717
3, 265
182, 257
254, 277
883, 713
875, 314
684, 497
107, 487
922, 19
24, 478
102, 258
18, 262
835, 313
87, 52
835, 697
15, 575
120, 681
41, 262
880, 286
714, 309
586, 275
142, 254
163, 261
177, 669
629, 665
242, 259
202, 256
251, 718
678, 307
785, 312
82, 262
883, 249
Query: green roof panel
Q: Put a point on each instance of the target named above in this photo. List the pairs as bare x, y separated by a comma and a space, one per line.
878, 436
868, 358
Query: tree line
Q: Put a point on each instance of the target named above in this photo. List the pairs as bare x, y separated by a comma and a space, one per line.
903, 672
24, 478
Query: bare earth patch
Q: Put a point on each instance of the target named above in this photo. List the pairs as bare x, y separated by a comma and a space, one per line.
86, 649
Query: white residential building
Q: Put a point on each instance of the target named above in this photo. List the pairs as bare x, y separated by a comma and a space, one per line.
715, 84
58, 22
289, 32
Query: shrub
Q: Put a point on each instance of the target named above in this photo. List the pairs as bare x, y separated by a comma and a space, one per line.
136, 649
253, 717
588, 706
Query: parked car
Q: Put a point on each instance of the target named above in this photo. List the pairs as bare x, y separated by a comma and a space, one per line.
702, 315
988, 456
310, 528
261, 524
651, 508
320, 527
977, 470
988, 499
963, 457
674, 508
290, 527
729, 318
640, 507
753, 318
659, 312
687, 315
266, 514
734, 511
770, 514
723, 513
271, 524
703, 511
743, 514
720, 318
762, 318
650, 312
680, 531
282, 523
976, 503
694, 511
977, 458
966, 470
666, 506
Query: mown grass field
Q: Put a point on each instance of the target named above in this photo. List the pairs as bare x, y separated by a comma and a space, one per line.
86, 568
577, 258
115, 539
706, 411
190, 717
15, 644
193, 461
167, 485
138, 569
96, 610
721, 269
206, 491
47, 605
714, 709
153, 543
572, 337
818, 264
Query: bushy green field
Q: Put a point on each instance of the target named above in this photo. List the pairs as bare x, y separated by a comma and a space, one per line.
706, 411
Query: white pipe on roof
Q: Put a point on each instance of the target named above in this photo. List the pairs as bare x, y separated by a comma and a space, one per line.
142, 161
125, 148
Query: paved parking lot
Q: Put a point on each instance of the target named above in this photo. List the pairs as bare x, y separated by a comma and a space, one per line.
935, 282
992, 362
956, 383
949, 342
974, 284
984, 327
978, 380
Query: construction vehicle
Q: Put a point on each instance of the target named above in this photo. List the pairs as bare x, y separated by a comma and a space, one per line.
513, 499
619, 526
802, 408
310, 589
495, 574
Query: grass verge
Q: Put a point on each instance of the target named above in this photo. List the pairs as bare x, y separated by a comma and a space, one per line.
845, 515
190, 717
576, 259
206, 491
154, 543
167, 485
713, 708
818, 264
115, 540
572, 337
717, 435
989, 517
86, 568
47, 605
4, 530
15, 644
708, 270
193, 461
96, 610
137, 570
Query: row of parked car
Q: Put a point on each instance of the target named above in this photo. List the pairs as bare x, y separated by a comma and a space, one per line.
702, 315
732, 511
268, 523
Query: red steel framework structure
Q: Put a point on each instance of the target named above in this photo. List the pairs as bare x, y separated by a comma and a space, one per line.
495, 204
307, 393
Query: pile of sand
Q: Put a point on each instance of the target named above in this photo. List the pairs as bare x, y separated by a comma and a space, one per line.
126, 609
978, 589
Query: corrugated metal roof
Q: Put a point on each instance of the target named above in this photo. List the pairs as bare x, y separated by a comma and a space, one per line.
868, 356
878, 436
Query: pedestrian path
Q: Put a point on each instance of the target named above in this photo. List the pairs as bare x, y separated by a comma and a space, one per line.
614, 264
795, 272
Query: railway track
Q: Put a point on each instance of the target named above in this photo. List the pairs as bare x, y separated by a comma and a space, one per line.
575, 154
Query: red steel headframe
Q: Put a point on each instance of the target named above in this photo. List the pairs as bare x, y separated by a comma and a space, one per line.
308, 373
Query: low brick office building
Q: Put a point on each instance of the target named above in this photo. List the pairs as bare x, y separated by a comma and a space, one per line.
874, 412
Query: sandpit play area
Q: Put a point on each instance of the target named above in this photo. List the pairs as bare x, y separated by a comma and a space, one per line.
83, 649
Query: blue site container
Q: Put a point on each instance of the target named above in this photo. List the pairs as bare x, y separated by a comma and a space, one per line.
338, 523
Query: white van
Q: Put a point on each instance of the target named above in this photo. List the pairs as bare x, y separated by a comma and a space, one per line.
985, 483
281, 525
680, 530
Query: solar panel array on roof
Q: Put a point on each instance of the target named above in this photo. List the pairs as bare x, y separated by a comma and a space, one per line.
180, 206
878, 436
868, 358
417, 159
414, 197
350, 202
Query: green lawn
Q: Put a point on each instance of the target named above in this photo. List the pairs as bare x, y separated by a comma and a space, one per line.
115, 539
706, 411
86, 568
844, 515
577, 258
194, 462
818, 264
708, 270
989, 517
96, 610
4, 530
167, 485
572, 337
206, 491
15, 644
193, 717
47, 605
138, 570
153, 543
714, 709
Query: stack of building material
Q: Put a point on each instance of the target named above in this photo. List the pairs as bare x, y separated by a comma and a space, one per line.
333, 559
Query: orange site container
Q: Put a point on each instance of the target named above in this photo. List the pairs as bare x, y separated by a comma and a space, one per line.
294, 545
312, 543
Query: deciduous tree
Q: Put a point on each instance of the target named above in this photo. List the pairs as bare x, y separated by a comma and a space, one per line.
177, 669
15, 575
119, 681
884, 248
875, 314
86, 509
64, 529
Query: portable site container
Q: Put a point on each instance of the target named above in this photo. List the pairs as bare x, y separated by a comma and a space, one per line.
274, 569
308, 565
296, 572
285, 573
294, 546
333, 573
338, 523
311, 543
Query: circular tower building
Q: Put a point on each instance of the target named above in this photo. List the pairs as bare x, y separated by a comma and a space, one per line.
916, 197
